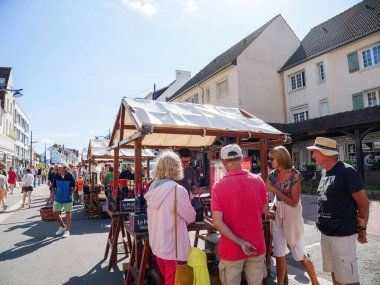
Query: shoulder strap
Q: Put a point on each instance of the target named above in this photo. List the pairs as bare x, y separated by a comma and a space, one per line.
175, 221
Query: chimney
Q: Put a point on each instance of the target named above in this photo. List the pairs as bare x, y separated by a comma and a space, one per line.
182, 75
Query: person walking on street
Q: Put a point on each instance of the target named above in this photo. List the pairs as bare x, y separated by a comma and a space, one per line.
11, 179
288, 226
342, 206
238, 201
3, 189
3, 172
27, 187
34, 173
169, 202
63, 188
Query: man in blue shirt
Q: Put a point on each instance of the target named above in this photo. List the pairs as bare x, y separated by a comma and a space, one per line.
63, 188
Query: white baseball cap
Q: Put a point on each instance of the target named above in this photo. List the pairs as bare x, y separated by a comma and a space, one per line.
231, 151
63, 164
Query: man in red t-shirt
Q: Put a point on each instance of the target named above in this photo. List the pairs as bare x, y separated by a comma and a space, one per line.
238, 201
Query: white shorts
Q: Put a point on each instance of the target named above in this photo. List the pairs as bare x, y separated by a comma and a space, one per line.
339, 256
80, 193
280, 244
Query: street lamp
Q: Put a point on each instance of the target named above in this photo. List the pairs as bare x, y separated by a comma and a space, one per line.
31, 148
16, 92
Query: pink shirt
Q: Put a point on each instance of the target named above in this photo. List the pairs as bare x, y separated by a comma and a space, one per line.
240, 196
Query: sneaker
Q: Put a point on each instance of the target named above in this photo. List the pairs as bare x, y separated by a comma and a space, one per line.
66, 234
60, 231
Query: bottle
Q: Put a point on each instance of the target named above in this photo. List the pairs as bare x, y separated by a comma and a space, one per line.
140, 201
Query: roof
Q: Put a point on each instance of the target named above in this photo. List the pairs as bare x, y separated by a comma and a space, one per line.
345, 119
5, 72
173, 124
98, 148
355, 23
222, 61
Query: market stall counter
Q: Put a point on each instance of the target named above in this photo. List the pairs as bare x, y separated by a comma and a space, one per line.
150, 124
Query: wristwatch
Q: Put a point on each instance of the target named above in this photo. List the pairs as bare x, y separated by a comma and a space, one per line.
241, 241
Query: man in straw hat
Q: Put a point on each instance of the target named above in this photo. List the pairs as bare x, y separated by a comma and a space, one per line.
342, 205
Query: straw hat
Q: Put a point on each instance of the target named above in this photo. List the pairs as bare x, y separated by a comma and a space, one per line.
325, 145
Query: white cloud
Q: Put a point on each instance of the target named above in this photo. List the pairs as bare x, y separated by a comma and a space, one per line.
190, 6
141, 6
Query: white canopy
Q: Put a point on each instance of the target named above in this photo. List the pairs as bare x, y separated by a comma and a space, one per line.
98, 149
168, 124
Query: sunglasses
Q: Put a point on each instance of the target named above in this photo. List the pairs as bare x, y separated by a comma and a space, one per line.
271, 158
185, 161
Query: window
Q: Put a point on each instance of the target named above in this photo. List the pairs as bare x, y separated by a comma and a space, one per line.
296, 159
324, 107
297, 80
299, 114
195, 99
207, 95
222, 88
321, 72
2, 81
373, 98
371, 56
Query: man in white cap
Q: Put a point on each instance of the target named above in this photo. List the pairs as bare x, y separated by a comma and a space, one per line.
342, 206
62, 191
238, 201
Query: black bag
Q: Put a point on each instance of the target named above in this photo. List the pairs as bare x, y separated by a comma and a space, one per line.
328, 226
198, 207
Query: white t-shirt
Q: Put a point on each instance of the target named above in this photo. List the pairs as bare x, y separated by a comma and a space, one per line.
29, 178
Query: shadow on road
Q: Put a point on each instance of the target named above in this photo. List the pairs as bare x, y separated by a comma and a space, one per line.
97, 275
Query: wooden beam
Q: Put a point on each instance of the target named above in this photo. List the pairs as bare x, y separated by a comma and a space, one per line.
263, 159
115, 169
138, 164
115, 126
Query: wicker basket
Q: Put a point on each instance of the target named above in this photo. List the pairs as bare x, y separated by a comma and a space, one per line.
47, 214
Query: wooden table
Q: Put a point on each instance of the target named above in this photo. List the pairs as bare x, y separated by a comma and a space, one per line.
117, 219
206, 224
139, 259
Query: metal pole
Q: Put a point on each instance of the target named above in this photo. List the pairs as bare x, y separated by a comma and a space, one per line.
45, 154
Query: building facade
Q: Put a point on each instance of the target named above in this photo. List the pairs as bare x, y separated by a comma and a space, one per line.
332, 88
245, 75
8, 135
22, 144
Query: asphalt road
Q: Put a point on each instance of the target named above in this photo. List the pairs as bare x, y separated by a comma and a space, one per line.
31, 254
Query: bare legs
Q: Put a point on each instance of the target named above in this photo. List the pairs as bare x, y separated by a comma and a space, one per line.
2, 198
307, 264
60, 221
11, 187
24, 198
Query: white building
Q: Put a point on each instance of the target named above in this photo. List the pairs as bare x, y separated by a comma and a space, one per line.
21, 127
7, 133
163, 94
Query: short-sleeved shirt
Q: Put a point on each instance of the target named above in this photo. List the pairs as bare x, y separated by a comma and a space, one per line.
12, 177
107, 179
335, 196
286, 187
188, 180
63, 187
240, 196
80, 183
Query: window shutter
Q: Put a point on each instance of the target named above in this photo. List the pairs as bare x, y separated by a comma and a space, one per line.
353, 62
357, 101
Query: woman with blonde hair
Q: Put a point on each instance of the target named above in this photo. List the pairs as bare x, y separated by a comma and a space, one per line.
163, 198
285, 182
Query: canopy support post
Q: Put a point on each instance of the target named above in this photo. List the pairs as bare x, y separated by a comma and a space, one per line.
115, 169
138, 164
263, 158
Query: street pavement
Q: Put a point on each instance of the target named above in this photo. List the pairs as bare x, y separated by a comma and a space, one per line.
31, 253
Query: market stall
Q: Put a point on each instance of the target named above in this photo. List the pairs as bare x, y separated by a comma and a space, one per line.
167, 125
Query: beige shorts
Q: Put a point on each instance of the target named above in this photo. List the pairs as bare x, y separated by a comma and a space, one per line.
280, 244
254, 269
339, 256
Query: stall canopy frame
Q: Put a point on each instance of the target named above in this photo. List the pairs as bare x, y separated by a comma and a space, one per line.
151, 124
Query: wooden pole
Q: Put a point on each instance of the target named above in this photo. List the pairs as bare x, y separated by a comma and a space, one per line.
138, 164
116, 169
148, 167
263, 159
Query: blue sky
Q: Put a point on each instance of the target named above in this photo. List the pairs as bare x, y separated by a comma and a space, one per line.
76, 59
